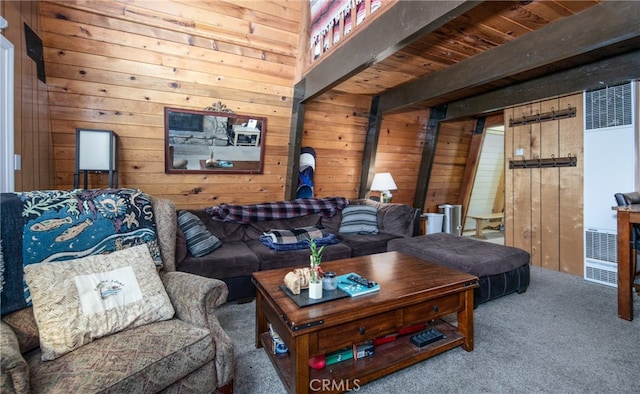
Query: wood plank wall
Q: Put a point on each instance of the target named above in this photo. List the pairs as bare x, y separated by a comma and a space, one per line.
115, 65
400, 151
449, 164
335, 127
32, 131
544, 207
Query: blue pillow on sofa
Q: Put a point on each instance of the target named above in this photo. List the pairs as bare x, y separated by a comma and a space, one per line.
359, 219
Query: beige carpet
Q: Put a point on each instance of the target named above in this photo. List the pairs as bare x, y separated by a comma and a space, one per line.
561, 336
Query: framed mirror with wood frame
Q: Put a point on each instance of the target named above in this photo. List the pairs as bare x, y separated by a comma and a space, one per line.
213, 142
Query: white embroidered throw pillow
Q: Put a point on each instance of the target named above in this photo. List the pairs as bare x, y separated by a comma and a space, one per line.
78, 301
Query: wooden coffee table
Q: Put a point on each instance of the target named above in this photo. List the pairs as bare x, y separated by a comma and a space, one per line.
412, 291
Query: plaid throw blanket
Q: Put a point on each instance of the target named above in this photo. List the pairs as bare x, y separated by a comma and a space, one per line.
326, 207
294, 235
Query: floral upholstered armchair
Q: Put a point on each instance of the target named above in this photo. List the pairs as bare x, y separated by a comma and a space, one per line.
113, 317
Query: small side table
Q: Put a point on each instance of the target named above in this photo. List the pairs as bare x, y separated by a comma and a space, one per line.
483, 220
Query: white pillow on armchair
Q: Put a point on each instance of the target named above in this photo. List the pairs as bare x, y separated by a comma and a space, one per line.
77, 301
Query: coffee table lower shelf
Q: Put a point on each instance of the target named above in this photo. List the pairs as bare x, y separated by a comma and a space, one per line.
388, 358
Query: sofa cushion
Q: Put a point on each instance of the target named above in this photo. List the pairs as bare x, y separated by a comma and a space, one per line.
15, 371
143, 359
395, 219
359, 219
231, 260
331, 224
77, 301
464, 254
166, 227
24, 325
200, 241
365, 244
202, 380
181, 246
271, 259
224, 231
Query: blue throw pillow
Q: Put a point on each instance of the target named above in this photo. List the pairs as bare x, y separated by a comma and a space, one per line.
200, 242
359, 219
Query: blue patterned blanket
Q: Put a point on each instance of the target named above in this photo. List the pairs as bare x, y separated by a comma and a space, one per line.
328, 239
57, 225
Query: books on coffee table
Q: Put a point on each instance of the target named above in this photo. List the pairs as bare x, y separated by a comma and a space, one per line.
355, 289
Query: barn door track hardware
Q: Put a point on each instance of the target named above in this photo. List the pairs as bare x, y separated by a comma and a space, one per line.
569, 112
551, 162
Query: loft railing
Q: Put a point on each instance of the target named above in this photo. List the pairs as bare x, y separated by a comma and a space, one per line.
333, 22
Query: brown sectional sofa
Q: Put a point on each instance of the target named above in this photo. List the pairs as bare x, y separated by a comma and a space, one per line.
242, 252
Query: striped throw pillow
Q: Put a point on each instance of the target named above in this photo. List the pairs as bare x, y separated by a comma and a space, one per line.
200, 241
359, 219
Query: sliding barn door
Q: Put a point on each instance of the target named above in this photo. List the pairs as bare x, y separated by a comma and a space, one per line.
544, 205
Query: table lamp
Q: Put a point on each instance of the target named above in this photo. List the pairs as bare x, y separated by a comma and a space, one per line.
383, 183
96, 150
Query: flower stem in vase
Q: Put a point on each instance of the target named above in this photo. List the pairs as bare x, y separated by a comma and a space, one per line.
314, 260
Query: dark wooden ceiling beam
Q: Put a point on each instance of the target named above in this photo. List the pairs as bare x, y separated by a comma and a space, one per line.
400, 25
295, 142
605, 25
370, 149
436, 115
601, 73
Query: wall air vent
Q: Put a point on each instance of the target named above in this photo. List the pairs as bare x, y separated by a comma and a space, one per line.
608, 107
609, 166
601, 256
601, 245
603, 274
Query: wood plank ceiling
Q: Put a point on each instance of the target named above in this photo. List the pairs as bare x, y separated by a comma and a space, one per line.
474, 58
482, 28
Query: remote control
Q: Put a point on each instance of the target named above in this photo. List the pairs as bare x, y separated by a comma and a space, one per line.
426, 337
361, 281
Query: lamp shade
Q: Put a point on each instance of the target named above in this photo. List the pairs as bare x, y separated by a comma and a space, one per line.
96, 149
383, 181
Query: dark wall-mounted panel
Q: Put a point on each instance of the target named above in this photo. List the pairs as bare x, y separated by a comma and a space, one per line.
34, 51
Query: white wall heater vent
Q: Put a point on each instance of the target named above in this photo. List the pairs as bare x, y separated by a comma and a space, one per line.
601, 245
605, 274
610, 166
609, 107
601, 256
